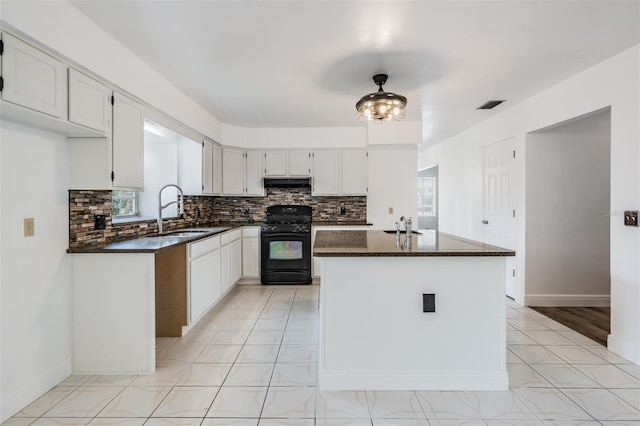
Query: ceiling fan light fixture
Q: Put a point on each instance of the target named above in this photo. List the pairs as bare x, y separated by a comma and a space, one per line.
381, 106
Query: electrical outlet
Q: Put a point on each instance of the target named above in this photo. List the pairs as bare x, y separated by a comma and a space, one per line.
631, 218
343, 210
390, 210
29, 227
428, 303
99, 222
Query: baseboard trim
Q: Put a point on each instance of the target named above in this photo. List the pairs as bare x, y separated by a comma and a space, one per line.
625, 349
570, 300
34, 390
497, 380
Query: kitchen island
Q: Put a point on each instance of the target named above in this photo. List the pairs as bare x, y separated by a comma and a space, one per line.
425, 312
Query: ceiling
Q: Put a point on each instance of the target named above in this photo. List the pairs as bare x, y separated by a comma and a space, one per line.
306, 63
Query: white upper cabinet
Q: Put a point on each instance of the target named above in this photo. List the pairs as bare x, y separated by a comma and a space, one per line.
89, 102
242, 172
217, 170
254, 185
127, 144
299, 163
33, 79
354, 172
233, 171
326, 173
207, 167
275, 163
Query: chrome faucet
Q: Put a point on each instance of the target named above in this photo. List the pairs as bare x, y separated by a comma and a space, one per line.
179, 201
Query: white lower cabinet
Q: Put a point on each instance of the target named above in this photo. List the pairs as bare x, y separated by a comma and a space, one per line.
235, 259
203, 276
251, 252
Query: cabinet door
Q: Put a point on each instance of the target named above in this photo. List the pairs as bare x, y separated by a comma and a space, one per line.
215, 282
299, 163
33, 79
233, 171
354, 172
326, 173
235, 260
128, 143
275, 163
207, 168
254, 185
225, 276
251, 257
201, 272
89, 102
217, 170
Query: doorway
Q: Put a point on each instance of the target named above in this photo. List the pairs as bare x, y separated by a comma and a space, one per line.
499, 215
568, 191
428, 198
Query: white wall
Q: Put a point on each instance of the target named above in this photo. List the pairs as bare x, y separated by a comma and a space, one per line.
393, 182
72, 35
299, 137
35, 311
613, 83
567, 195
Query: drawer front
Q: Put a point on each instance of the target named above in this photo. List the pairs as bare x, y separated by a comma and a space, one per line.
235, 234
204, 246
224, 238
250, 231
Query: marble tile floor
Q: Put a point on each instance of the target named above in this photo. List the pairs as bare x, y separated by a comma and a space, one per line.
252, 360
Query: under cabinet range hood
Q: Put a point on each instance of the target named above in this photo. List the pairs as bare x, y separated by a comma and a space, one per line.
287, 182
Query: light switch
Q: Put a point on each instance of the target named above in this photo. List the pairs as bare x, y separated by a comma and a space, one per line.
390, 210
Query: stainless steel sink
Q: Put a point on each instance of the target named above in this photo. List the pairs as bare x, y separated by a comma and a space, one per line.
393, 231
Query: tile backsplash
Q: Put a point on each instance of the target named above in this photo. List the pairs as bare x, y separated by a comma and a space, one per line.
231, 209
201, 211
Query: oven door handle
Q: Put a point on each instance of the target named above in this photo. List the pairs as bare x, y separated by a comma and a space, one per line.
285, 234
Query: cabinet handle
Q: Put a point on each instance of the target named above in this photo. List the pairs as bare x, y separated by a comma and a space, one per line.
485, 222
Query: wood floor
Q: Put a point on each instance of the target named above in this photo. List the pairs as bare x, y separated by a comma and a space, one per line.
590, 322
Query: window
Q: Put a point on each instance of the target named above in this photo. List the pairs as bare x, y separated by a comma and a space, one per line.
124, 204
427, 196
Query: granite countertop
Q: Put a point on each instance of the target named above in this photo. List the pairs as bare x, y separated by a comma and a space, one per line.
378, 243
153, 242
336, 223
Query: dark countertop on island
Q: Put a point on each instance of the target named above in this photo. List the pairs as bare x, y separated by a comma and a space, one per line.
378, 243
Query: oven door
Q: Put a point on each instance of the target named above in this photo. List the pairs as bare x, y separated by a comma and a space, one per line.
285, 258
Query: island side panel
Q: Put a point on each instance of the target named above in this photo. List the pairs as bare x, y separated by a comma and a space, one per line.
375, 336
113, 313
171, 291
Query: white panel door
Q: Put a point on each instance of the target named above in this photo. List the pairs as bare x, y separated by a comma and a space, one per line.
233, 171
275, 163
89, 102
499, 202
326, 173
128, 143
254, 185
33, 79
354, 172
299, 163
215, 283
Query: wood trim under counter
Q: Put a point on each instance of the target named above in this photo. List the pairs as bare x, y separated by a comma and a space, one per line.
171, 291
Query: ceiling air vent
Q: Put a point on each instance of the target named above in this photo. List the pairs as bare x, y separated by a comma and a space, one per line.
490, 104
